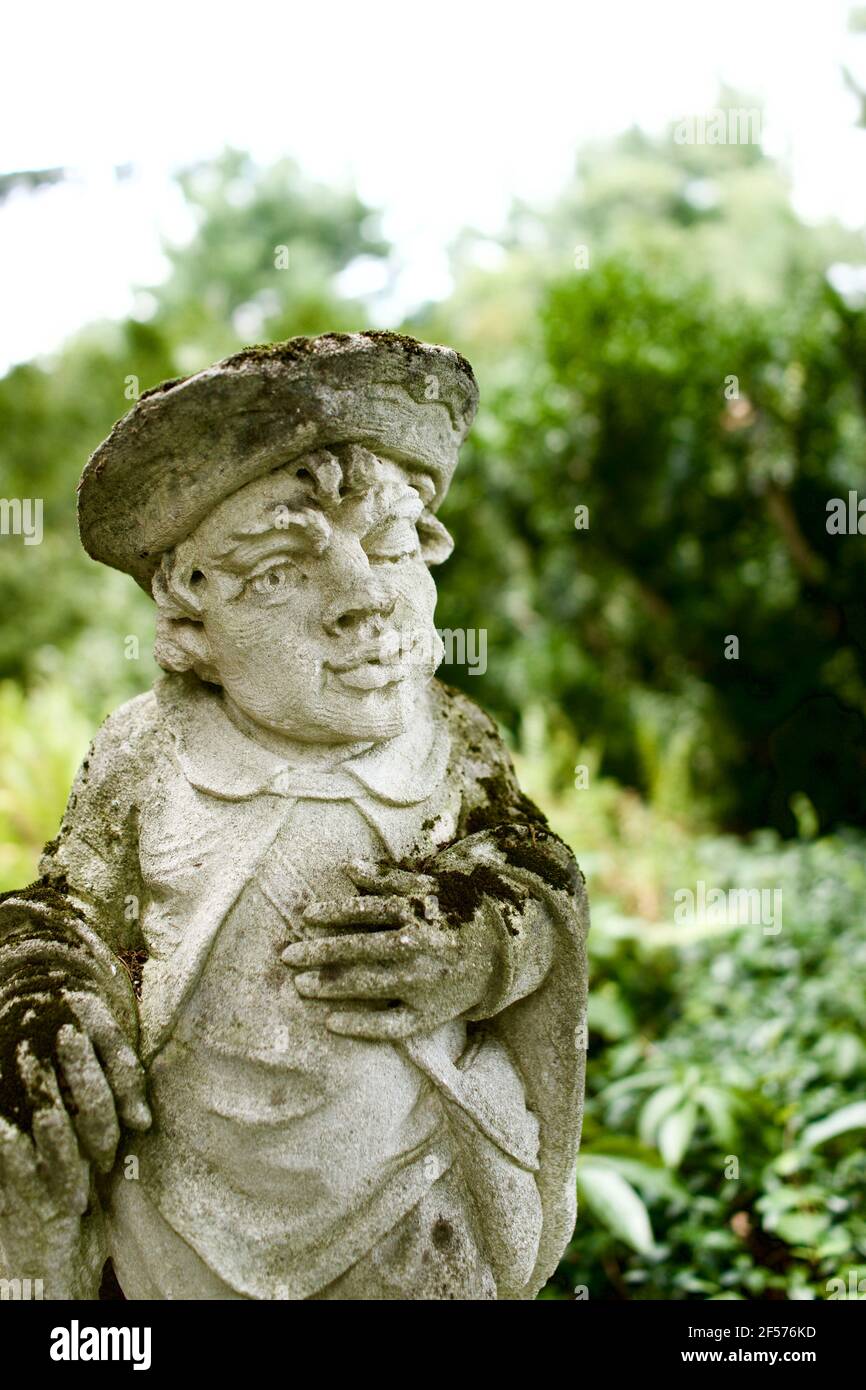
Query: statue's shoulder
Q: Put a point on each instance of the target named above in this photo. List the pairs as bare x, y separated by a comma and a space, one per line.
482, 765
121, 755
474, 734
134, 722
480, 762
126, 742
147, 721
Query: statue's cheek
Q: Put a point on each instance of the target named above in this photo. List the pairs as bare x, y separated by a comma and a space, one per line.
417, 588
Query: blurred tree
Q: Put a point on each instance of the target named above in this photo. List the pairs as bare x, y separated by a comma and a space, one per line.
690, 375
28, 179
265, 261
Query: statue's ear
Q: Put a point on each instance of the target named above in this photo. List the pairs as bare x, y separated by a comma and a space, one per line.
181, 642
436, 543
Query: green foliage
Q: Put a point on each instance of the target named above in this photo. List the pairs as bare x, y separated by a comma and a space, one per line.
611, 387
726, 1066
42, 740
604, 1189
740, 1075
705, 430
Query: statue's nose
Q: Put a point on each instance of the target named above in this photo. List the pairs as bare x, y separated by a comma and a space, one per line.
358, 615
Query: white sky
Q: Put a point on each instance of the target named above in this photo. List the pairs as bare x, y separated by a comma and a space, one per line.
440, 111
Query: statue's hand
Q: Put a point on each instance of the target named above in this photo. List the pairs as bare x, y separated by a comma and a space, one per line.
44, 1188
70, 1076
390, 960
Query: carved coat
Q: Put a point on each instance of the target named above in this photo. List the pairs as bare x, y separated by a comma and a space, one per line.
175, 813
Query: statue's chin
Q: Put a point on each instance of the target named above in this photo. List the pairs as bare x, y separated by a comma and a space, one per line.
367, 701
370, 703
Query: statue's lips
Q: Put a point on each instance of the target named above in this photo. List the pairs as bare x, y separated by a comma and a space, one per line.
371, 666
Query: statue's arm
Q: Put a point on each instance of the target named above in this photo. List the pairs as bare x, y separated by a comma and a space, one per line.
531, 880
77, 926
69, 1073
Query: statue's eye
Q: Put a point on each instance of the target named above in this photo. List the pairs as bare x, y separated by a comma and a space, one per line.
273, 580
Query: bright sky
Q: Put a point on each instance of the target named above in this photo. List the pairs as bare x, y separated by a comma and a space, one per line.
439, 111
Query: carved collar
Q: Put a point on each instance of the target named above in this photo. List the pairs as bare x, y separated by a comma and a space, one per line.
217, 758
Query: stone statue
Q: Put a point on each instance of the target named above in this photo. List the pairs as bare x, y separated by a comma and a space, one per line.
295, 1009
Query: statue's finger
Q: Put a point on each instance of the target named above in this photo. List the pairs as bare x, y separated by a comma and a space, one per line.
59, 1162
20, 1179
375, 1025
359, 912
359, 948
127, 1079
63, 1169
366, 874
358, 982
95, 1117
119, 1061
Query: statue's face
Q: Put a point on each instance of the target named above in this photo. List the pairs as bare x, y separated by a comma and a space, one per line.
318, 621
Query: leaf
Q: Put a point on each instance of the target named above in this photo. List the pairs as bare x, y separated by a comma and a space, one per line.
650, 1178
839, 1122
660, 1104
609, 1014
675, 1134
789, 1198
718, 1106
801, 1227
634, 1083
616, 1205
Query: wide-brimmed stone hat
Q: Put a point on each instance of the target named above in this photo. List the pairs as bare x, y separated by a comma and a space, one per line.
190, 443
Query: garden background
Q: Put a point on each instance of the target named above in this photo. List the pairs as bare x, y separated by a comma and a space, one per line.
670, 346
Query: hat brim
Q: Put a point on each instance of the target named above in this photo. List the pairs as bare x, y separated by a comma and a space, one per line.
188, 445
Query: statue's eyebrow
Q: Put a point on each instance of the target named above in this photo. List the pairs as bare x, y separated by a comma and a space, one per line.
295, 532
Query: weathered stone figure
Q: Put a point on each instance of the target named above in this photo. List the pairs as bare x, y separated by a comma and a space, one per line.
296, 1007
